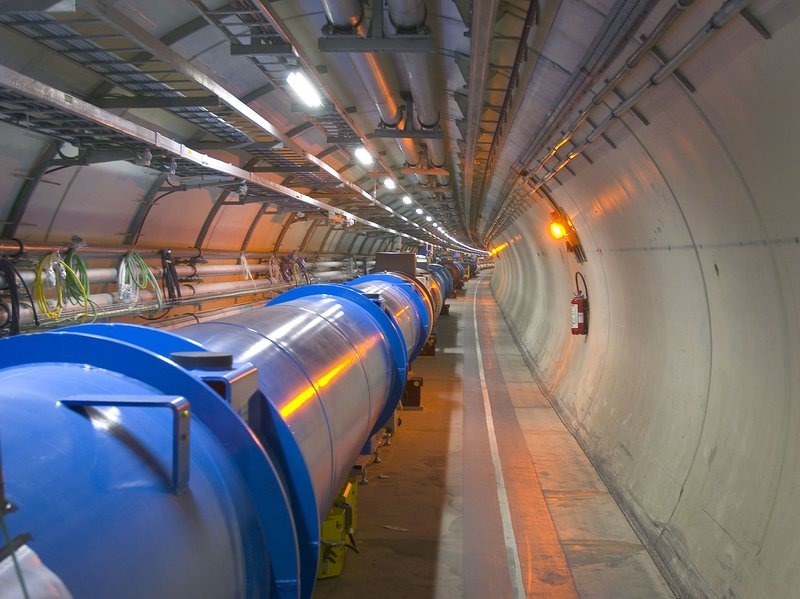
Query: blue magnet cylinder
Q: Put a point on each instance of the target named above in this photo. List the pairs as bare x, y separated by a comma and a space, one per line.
443, 277
279, 400
89, 459
406, 301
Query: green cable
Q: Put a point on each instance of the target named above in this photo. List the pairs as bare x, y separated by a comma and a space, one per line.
135, 275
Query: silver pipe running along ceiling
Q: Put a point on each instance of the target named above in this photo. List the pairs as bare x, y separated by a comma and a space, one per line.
348, 15
409, 16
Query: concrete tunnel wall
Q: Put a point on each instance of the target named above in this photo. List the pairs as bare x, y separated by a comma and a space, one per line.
685, 392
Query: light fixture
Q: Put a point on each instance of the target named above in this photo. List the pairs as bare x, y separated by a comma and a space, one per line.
558, 230
363, 156
418, 211
407, 200
303, 89
562, 227
429, 218
389, 183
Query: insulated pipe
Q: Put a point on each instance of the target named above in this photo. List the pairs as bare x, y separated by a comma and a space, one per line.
409, 15
109, 275
103, 301
329, 367
17, 247
349, 15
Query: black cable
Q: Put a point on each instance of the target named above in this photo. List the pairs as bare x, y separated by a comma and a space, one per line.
147, 213
7, 270
169, 275
28, 293
62, 167
577, 288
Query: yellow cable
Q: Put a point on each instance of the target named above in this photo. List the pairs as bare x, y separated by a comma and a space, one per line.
39, 291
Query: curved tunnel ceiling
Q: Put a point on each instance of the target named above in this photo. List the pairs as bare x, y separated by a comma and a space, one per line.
660, 132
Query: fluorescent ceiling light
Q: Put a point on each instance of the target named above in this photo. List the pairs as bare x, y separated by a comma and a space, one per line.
407, 200
303, 89
363, 156
389, 183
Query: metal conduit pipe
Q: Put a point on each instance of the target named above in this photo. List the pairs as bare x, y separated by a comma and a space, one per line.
327, 264
718, 20
109, 275
15, 248
409, 15
655, 36
147, 298
349, 15
106, 303
611, 40
329, 275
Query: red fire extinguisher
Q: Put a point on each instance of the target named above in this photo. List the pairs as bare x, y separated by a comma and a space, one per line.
579, 308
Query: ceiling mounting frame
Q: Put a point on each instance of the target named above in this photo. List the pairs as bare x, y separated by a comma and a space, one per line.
135, 74
142, 63
75, 120
328, 118
262, 15
376, 40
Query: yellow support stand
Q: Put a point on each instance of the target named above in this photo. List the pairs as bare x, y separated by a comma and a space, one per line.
337, 532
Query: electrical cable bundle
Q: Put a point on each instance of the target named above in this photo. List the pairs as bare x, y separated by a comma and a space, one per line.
68, 285
299, 271
274, 270
248, 274
11, 275
133, 275
77, 288
169, 275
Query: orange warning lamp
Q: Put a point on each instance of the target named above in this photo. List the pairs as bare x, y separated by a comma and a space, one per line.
558, 230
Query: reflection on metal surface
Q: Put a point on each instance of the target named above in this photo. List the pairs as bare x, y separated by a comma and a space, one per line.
311, 390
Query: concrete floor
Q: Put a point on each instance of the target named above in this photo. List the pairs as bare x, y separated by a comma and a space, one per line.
441, 518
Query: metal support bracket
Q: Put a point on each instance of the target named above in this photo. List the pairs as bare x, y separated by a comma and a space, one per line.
181, 417
376, 40
407, 131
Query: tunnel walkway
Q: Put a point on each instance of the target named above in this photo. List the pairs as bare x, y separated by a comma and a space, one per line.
488, 503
